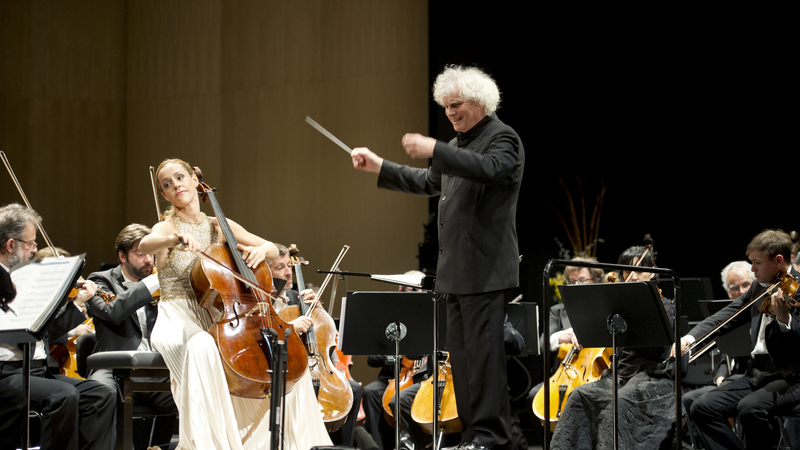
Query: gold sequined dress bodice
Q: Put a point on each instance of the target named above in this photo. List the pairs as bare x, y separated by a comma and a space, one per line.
174, 273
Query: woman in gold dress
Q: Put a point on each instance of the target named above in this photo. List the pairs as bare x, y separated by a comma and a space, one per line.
209, 416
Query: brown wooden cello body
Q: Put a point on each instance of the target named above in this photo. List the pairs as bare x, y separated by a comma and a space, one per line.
577, 367
422, 408
334, 394
242, 315
408, 368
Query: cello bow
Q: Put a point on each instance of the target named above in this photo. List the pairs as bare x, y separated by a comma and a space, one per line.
28, 204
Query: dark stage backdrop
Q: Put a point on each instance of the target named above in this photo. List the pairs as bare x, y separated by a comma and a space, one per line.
687, 121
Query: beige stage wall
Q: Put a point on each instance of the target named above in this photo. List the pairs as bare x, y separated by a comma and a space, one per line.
94, 92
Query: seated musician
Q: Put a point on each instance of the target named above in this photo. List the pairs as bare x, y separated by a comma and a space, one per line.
560, 328
281, 268
559, 325
736, 280
75, 413
769, 386
57, 357
12, 402
209, 415
126, 323
647, 401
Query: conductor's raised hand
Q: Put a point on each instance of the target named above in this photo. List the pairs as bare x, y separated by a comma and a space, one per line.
418, 146
364, 159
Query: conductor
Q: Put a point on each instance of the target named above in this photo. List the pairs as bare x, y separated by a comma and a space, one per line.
477, 177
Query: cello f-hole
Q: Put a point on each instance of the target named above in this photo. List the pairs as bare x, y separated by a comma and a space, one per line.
235, 315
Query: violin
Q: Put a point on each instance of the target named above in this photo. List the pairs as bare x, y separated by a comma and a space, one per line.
243, 316
784, 281
334, 394
577, 367
422, 408
64, 354
788, 284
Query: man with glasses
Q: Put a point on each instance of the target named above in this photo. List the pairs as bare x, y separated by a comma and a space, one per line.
75, 413
560, 328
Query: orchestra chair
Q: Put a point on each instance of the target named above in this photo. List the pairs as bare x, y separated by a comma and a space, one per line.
125, 366
786, 440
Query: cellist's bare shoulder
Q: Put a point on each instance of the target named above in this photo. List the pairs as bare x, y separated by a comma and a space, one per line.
164, 228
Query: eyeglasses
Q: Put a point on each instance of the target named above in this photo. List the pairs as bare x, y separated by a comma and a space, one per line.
580, 281
31, 243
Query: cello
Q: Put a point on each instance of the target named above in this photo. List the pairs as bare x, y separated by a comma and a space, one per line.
422, 408
242, 315
408, 369
334, 395
577, 367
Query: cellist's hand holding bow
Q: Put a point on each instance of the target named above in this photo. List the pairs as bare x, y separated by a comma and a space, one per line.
685, 341
185, 242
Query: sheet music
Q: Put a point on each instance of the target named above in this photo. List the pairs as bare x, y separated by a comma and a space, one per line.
341, 323
39, 287
405, 280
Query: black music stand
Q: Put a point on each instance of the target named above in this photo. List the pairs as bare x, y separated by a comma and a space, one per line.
617, 315
384, 323
23, 338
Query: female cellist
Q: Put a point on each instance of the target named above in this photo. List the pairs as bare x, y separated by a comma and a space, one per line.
209, 415
645, 398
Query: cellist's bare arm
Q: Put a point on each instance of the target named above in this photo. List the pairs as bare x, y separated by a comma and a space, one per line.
162, 237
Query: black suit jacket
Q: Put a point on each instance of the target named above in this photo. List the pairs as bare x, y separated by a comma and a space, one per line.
477, 176
558, 321
752, 317
784, 346
117, 324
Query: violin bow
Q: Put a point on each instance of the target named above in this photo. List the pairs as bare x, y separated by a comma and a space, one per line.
28, 204
638, 261
155, 191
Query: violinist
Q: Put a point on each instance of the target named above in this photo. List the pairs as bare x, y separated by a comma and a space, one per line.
648, 399
736, 280
282, 269
770, 383
209, 415
76, 413
126, 323
74, 333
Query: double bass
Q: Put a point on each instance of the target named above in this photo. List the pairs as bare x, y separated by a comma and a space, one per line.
243, 316
334, 394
